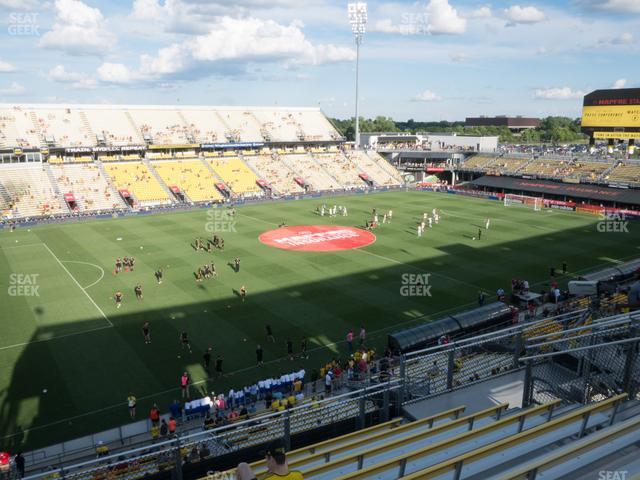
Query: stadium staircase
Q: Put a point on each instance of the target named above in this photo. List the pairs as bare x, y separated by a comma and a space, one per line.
111, 185
602, 178
135, 128
87, 126
36, 126
159, 179
56, 188
385, 165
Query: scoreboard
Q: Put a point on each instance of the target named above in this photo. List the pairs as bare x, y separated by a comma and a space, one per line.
612, 114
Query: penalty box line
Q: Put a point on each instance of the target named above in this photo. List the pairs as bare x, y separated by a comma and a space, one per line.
78, 284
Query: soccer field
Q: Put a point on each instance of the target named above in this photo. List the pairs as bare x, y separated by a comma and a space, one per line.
61, 330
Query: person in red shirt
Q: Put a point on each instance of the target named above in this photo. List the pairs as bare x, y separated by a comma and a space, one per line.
172, 425
154, 415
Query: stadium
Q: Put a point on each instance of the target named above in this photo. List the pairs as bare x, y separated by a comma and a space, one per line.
204, 291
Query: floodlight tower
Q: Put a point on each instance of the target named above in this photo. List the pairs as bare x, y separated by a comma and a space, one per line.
358, 20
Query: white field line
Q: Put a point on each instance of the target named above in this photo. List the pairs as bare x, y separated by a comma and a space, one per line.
78, 284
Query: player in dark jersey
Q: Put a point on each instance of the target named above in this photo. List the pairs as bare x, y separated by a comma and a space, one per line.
289, 349
158, 275
221, 244
213, 270
118, 265
236, 263
259, 355
184, 340
206, 359
269, 331
138, 290
219, 365
132, 262
118, 299
146, 332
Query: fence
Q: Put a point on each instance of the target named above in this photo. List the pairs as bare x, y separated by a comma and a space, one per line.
573, 357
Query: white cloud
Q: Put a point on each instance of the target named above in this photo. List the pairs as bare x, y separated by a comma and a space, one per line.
14, 88
482, 12
117, 73
6, 67
76, 80
558, 93
620, 83
19, 4
615, 6
438, 18
444, 19
459, 57
230, 43
78, 29
529, 14
427, 96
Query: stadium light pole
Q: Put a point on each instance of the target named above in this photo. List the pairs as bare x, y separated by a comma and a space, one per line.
358, 20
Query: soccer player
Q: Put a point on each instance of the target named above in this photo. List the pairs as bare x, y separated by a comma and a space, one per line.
479, 233
259, 355
289, 349
430, 220
118, 265
131, 403
243, 292
118, 298
344, 211
184, 385
132, 262
158, 275
206, 359
390, 215
420, 230
146, 332
219, 365
184, 340
214, 274
138, 291
487, 223
269, 331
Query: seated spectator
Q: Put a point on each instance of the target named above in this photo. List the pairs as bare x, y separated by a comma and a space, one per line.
276, 465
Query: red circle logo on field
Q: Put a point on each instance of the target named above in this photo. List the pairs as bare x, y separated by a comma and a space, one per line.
317, 238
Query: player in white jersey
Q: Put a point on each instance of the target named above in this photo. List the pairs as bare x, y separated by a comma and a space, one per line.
486, 225
390, 215
424, 216
344, 211
384, 218
430, 220
420, 228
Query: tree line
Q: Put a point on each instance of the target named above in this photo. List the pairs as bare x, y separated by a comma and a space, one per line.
551, 129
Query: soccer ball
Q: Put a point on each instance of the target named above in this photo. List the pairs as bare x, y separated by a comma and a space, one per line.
141, 247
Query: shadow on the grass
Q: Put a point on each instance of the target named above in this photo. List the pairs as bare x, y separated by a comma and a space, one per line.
96, 370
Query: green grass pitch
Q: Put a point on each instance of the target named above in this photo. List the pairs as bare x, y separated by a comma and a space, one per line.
72, 341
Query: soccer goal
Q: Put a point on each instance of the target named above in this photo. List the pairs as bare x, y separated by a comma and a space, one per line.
523, 200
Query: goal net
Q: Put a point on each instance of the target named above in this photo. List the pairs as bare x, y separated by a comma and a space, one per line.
522, 200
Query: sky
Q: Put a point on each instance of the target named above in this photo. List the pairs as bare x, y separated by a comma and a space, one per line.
432, 60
